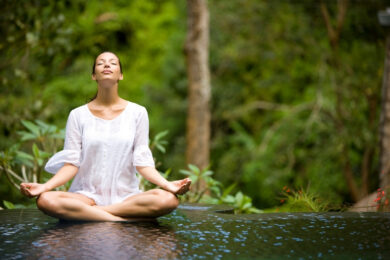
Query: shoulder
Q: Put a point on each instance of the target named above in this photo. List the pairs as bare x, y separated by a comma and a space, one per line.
137, 109
79, 109
79, 112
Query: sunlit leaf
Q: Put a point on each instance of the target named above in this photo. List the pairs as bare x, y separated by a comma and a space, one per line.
8, 205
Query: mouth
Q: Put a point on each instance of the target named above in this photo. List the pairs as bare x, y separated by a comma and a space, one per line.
107, 71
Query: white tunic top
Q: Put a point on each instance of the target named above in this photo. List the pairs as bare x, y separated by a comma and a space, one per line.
106, 152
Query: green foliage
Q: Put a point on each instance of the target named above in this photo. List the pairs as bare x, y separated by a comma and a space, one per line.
285, 112
20, 166
157, 144
205, 189
10, 205
287, 109
301, 201
201, 181
241, 203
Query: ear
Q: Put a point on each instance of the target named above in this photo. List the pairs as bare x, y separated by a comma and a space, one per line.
93, 77
121, 77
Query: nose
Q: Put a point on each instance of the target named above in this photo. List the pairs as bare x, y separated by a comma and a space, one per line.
107, 65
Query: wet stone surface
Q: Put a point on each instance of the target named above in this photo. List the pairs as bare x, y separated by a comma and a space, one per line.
198, 232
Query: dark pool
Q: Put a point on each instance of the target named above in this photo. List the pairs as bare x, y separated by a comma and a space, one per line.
198, 232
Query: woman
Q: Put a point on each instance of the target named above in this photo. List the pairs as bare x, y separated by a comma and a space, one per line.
106, 142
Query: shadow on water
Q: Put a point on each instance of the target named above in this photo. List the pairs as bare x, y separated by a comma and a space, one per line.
198, 232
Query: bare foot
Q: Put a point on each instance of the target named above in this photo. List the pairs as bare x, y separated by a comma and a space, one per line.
138, 219
130, 219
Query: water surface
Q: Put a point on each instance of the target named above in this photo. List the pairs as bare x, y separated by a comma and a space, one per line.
198, 232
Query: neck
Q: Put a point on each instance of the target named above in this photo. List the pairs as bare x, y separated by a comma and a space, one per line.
107, 94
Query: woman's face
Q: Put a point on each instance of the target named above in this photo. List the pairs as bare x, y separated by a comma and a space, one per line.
107, 68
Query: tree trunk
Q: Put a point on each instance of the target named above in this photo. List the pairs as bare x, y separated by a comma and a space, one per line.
384, 126
198, 118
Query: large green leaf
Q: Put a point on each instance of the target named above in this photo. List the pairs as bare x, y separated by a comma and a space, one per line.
8, 205
32, 127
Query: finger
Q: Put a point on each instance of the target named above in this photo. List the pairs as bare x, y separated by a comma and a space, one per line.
29, 194
26, 186
184, 189
24, 191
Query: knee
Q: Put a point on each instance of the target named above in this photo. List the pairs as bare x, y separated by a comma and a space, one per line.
167, 201
47, 202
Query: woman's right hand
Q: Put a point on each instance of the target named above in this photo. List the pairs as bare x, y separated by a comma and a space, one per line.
32, 189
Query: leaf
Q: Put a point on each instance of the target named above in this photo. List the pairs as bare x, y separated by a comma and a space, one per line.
194, 169
229, 199
35, 150
207, 173
247, 205
161, 148
193, 178
239, 198
167, 173
229, 189
8, 205
161, 135
216, 190
24, 156
26, 135
44, 154
40, 161
185, 172
32, 127
255, 210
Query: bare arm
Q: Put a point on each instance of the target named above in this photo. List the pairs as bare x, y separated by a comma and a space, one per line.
176, 187
65, 174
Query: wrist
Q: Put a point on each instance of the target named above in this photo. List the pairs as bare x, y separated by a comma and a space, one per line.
165, 186
46, 187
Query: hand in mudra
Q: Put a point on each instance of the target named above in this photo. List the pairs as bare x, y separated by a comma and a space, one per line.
179, 187
32, 189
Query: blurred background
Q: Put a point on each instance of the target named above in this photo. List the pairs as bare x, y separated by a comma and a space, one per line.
296, 87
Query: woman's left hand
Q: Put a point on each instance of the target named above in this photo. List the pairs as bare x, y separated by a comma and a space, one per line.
179, 187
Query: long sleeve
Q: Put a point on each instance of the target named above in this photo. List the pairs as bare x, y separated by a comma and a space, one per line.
72, 147
142, 154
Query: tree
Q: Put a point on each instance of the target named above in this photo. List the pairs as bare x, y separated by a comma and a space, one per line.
384, 128
196, 49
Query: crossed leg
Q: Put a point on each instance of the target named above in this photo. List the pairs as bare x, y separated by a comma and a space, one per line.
152, 203
73, 206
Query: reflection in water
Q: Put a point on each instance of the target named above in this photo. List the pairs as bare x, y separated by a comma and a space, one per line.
105, 240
